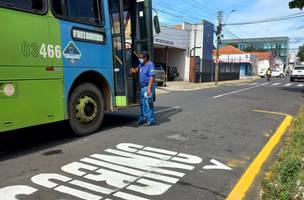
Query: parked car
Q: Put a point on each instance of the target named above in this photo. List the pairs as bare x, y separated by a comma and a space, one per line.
278, 73
172, 73
160, 75
297, 73
262, 73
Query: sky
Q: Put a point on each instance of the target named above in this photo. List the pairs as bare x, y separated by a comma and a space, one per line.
193, 11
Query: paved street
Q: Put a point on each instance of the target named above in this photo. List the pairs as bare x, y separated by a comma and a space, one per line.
203, 142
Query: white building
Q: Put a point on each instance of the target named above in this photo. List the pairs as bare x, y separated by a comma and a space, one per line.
293, 60
175, 43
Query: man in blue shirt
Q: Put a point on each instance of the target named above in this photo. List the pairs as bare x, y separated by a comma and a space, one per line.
147, 90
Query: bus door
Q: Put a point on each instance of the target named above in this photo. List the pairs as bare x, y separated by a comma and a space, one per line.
127, 36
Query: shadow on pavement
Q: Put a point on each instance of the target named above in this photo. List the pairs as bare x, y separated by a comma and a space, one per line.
125, 119
29, 140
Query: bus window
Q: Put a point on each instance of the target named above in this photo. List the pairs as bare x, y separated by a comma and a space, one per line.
30, 5
86, 11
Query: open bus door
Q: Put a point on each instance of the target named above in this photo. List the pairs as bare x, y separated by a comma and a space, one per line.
131, 25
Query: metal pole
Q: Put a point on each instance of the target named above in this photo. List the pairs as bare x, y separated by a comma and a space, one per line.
167, 67
218, 43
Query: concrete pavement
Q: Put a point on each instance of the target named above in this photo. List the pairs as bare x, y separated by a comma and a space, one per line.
187, 86
199, 149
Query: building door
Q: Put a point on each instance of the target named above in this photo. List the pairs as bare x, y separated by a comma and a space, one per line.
131, 34
243, 69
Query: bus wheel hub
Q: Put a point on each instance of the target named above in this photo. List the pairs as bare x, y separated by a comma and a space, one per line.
86, 109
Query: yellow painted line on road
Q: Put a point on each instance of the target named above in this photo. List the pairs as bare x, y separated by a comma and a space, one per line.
243, 185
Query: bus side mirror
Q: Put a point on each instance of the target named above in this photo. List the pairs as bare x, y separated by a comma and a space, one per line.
156, 24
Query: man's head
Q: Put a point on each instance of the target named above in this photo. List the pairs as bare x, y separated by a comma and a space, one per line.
143, 57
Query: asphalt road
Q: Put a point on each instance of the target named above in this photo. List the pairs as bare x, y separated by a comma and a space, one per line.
203, 142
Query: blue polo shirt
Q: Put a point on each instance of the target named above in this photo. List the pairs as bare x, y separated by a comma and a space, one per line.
146, 71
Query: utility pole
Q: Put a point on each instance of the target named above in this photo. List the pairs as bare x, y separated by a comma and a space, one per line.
218, 43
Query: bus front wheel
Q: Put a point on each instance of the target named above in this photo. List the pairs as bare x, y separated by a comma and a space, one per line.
86, 109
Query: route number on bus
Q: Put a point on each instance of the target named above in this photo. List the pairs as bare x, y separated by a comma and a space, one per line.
45, 50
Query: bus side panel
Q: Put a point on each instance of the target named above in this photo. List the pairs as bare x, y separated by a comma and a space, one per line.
93, 57
38, 96
35, 102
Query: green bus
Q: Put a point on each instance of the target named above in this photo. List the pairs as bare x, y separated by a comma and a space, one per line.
70, 59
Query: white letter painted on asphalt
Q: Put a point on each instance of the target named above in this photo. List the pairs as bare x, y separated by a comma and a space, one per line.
129, 147
10, 192
137, 173
74, 168
189, 159
151, 188
78, 193
151, 161
163, 151
114, 179
217, 165
45, 180
136, 163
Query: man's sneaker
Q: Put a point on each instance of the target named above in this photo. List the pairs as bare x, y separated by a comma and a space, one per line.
150, 124
140, 123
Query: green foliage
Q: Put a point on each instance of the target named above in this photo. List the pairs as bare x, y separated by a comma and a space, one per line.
296, 4
252, 49
301, 53
282, 183
234, 44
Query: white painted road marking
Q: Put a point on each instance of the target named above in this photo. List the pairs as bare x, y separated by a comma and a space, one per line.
253, 84
217, 165
300, 85
130, 168
237, 91
242, 84
288, 84
165, 110
275, 84
10, 192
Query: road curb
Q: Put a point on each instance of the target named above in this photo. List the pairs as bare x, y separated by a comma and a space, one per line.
200, 86
243, 185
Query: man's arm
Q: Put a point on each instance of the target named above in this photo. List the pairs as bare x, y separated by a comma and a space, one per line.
134, 70
152, 80
150, 86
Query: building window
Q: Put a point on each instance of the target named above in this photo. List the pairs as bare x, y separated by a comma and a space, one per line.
86, 11
30, 5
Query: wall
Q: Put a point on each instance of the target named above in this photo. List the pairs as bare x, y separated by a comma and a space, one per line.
172, 37
177, 58
196, 36
180, 40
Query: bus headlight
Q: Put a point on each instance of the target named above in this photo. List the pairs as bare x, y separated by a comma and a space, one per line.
9, 90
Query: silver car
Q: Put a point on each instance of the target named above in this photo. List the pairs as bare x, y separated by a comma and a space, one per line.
160, 75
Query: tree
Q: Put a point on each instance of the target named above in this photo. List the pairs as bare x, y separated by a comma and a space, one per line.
301, 53
296, 4
253, 49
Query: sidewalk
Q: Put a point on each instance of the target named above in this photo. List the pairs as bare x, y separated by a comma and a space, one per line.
187, 86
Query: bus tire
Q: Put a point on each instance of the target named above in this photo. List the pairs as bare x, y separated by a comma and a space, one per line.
86, 109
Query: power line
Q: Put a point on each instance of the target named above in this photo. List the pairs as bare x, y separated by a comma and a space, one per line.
287, 17
174, 15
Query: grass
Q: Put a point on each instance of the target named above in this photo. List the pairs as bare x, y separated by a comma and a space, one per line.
285, 180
